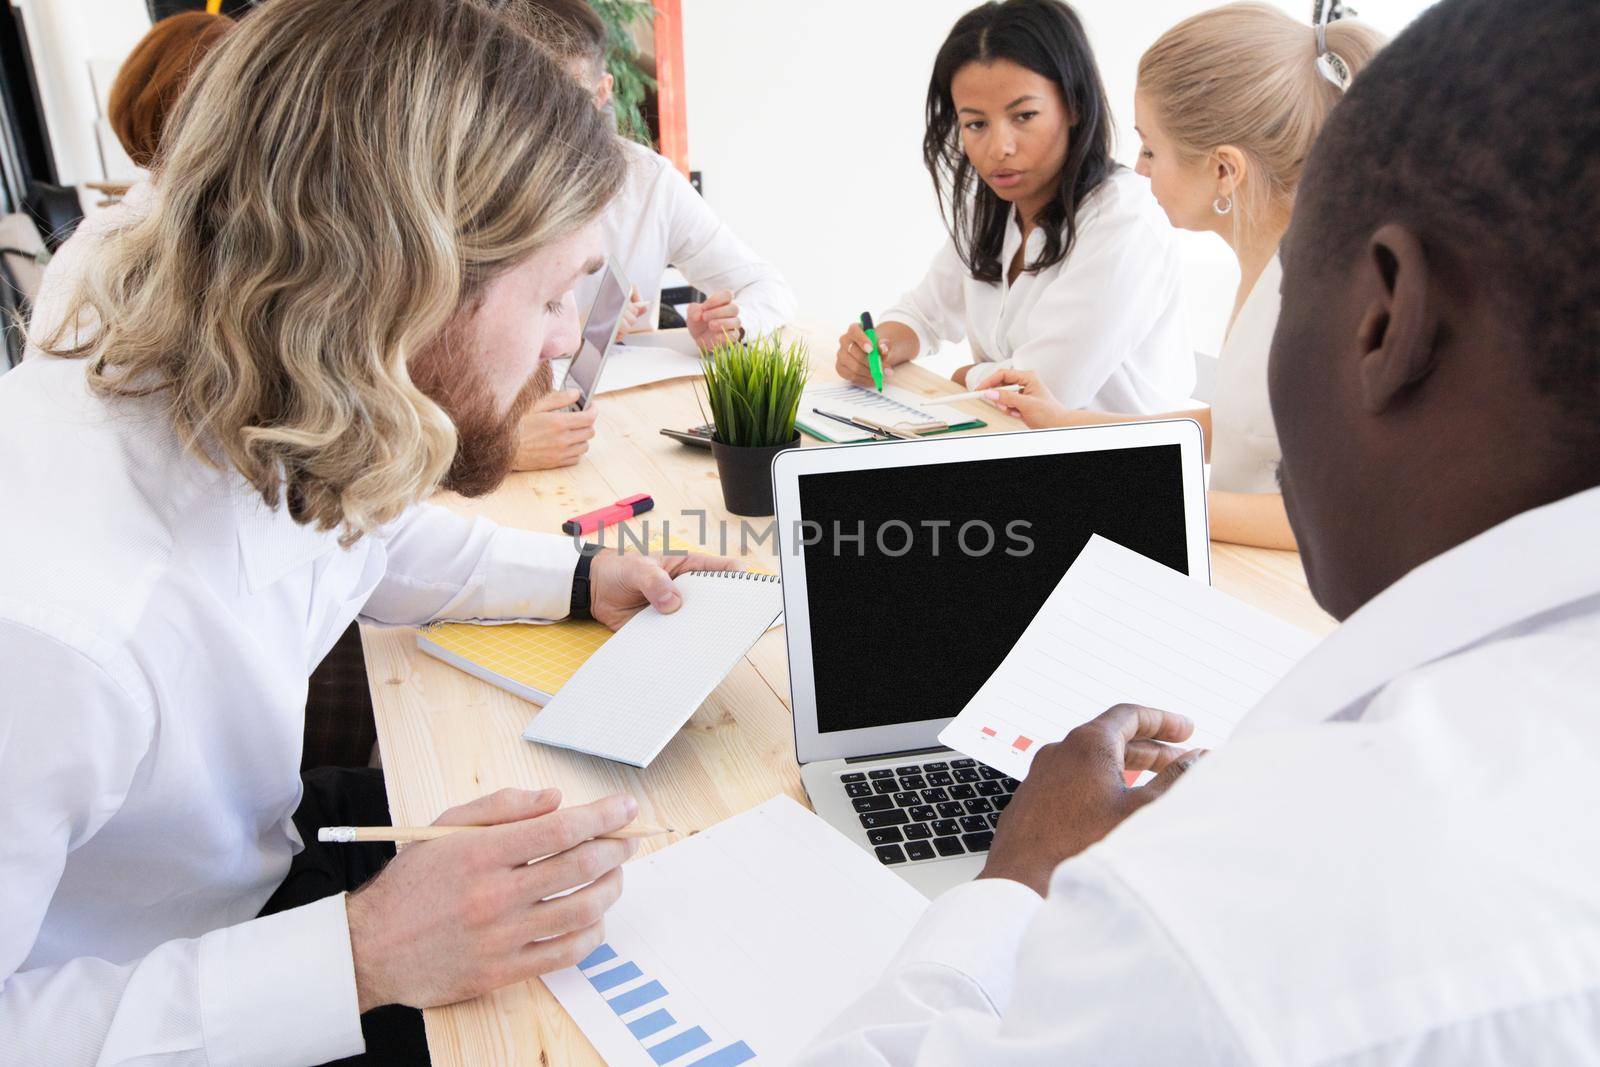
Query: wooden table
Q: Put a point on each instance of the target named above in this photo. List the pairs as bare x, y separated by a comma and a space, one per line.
446, 737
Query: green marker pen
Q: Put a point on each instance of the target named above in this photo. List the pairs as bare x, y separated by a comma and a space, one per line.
874, 358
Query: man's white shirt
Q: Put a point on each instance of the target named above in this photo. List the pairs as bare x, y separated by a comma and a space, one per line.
157, 627
1395, 859
658, 219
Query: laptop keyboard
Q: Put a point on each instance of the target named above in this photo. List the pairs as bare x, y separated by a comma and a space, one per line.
927, 811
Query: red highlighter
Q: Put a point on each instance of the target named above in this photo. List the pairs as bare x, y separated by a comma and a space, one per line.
623, 509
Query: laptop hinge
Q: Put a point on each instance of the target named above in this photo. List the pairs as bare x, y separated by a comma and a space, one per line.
897, 755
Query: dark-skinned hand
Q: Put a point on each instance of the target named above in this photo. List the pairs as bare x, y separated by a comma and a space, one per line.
1076, 792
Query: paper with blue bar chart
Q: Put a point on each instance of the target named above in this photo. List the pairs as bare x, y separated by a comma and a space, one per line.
736, 945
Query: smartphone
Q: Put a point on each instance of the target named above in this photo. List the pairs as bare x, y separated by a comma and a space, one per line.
599, 335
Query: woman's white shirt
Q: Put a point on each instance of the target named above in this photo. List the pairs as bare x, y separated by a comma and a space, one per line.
1244, 439
1105, 328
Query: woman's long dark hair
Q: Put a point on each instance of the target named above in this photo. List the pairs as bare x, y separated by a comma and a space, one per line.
1045, 37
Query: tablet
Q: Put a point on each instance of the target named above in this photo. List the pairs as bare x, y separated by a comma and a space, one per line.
600, 328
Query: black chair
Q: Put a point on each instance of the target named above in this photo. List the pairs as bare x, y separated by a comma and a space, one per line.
55, 210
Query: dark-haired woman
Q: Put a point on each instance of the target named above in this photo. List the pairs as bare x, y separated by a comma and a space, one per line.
1059, 260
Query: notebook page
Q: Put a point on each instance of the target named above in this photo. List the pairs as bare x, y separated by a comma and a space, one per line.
892, 406
1121, 628
737, 944
633, 693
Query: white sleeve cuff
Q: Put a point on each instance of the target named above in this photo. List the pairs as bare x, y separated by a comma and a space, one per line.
281, 989
521, 575
975, 929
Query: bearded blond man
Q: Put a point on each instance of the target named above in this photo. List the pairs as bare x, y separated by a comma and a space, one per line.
361, 250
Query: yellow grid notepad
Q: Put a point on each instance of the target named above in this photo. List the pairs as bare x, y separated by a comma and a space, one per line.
531, 660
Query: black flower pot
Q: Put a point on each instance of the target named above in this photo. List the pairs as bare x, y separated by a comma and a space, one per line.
746, 475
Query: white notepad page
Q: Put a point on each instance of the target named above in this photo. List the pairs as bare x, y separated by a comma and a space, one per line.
1121, 628
736, 945
631, 696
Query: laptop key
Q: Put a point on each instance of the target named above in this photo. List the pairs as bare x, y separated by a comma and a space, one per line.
1010, 784
940, 778
950, 809
940, 766
962, 792
858, 789
948, 846
990, 773
906, 800
890, 854
918, 831
1001, 801
908, 770
994, 818
969, 823
886, 785
874, 819
923, 813
853, 776
978, 805
919, 850
967, 774
963, 763
872, 803
888, 835
989, 789
913, 781
881, 772
933, 796
946, 827
979, 842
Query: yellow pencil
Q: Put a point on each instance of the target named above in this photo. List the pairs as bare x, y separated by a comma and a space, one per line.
344, 835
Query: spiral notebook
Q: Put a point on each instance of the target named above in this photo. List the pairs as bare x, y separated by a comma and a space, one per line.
638, 689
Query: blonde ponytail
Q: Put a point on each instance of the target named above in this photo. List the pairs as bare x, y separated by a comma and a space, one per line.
1246, 75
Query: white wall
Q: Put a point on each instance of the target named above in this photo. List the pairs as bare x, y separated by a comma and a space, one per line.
806, 119
64, 36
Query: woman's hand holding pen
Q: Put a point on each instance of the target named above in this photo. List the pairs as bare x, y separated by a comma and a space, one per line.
897, 343
1033, 403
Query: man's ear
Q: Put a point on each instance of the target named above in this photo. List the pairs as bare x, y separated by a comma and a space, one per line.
1400, 328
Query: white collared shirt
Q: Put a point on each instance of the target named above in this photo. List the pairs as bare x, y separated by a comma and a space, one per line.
157, 626
1105, 328
1394, 860
658, 219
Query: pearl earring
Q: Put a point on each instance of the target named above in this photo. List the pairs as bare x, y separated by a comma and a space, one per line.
1222, 205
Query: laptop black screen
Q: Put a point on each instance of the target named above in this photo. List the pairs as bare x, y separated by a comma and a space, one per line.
952, 563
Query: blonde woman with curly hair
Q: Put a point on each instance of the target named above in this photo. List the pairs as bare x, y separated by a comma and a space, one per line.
359, 253
1227, 105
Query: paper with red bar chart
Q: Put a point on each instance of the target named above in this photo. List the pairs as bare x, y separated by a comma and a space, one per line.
1121, 628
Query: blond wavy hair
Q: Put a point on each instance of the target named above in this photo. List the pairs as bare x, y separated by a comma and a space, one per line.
336, 189
1245, 75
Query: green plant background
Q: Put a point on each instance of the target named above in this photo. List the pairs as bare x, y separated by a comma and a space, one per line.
622, 62
754, 389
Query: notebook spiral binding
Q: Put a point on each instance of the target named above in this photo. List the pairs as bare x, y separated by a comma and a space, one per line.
748, 576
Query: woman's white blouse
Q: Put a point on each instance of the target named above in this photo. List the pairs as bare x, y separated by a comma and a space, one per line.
1244, 440
1104, 328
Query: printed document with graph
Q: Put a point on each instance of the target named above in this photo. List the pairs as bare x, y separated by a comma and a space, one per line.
736, 945
1120, 628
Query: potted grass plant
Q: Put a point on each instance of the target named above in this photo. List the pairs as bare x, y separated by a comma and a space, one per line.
753, 388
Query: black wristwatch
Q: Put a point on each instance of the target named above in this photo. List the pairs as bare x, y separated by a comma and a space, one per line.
580, 582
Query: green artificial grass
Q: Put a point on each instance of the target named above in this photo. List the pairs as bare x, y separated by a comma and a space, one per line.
754, 389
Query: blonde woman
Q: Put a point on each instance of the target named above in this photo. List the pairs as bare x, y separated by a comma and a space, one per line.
1227, 106
338, 301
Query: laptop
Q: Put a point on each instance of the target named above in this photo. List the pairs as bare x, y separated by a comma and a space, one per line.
909, 570
599, 335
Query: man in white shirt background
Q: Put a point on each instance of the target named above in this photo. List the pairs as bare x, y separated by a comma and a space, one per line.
229, 471
657, 219
1395, 858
